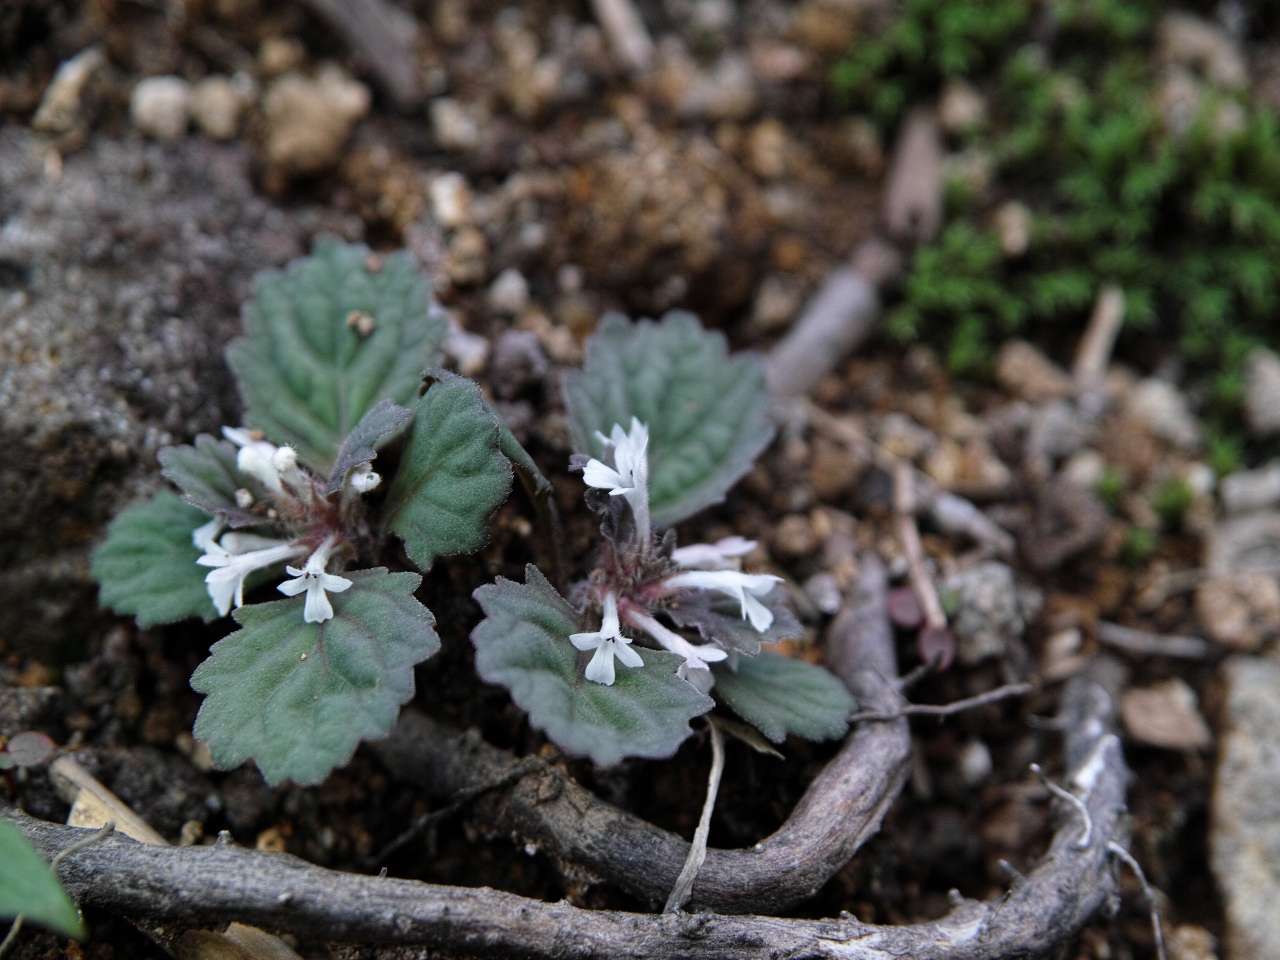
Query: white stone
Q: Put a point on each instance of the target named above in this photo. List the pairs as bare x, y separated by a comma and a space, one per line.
451, 200
454, 126
1262, 392
216, 104
1158, 404
160, 107
509, 293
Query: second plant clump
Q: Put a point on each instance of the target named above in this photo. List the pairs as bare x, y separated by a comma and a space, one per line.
331, 372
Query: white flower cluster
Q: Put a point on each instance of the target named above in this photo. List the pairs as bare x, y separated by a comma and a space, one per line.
710, 566
235, 555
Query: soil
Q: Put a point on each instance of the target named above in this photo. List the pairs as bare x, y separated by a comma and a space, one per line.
605, 194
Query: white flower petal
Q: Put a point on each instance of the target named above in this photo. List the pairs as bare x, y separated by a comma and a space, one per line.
587, 641
600, 669
721, 555
761, 617
596, 474
626, 654
317, 609
743, 587
291, 588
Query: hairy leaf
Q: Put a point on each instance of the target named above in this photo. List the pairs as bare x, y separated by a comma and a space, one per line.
207, 475
28, 886
298, 697
523, 644
778, 696
452, 475
310, 366
706, 411
719, 618
361, 444
147, 567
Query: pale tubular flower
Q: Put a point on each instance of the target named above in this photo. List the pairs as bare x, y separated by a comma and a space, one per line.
629, 477
721, 555
206, 537
315, 582
363, 478
695, 657
256, 457
608, 642
285, 462
743, 587
237, 556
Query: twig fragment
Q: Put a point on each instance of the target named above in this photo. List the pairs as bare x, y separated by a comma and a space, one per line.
626, 32
904, 507
1153, 644
698, 849
107, 829
1156, 930
1094, 352
913, 193
1062, 794
944, 709
12, 935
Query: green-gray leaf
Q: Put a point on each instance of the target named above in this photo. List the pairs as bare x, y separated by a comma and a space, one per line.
452, 475
523, 644
28, 886
308, 375
779, 695
298, 697
719, 618
706, 411
207, 475
147, 567
361, 444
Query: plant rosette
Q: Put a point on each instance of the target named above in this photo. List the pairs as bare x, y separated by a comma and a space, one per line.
657, 628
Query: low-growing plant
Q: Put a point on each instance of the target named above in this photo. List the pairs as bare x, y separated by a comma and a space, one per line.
330, 370
28, 888
664, 422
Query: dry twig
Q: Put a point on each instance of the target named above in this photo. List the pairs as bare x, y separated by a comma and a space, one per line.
212, 884
904, 508
1152, 644
1094, 352
384, 37
698, 849
626, 32
944, 709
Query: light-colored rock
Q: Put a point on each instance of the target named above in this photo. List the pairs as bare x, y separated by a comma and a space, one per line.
309, 120
727, 91
777, 301
1189, 942
903, 437
1240, 610
1085, 469
824, 590
1249, 542
961, 107
1186, 40
1165, 715
793, 537
60, 108
277, 55
216, 105
467, 257
987, 617
1025, 371
454, 126
1244, 839
768, 147
1013, 225
1262, 392
451, 200
1162, 408
1249, 490
160, 107
509, 293
468, 351
974, 763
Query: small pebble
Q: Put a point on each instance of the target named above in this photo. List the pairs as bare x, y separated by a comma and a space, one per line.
987, 618
309, 120
960, 107
509, 293
60, 107
1165, 715
974, 763
451, 200
453, 125
1262, 392
1239, 610
1249, 490
160, 107
1025, 371
1162, 408
216, 104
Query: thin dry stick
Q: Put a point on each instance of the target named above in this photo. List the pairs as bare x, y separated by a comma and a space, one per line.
1094, 352
698, 849
1156, 930
626, 32
12, 935
1062, 794
1139, 641
944, 709
107, 829
904, 507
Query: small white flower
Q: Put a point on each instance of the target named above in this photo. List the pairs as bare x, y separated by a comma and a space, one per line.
695, 657
363, 479
285, 462
721, 555
315, 582
743, 587
206, 537
607, 642
235, 557
256, 457
629, 476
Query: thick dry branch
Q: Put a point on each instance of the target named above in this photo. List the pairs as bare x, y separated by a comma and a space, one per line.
214, 884
841, 809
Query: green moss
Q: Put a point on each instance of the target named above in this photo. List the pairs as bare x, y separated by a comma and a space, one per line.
1111, 485
1171, 501
1139, 545
1186, 221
